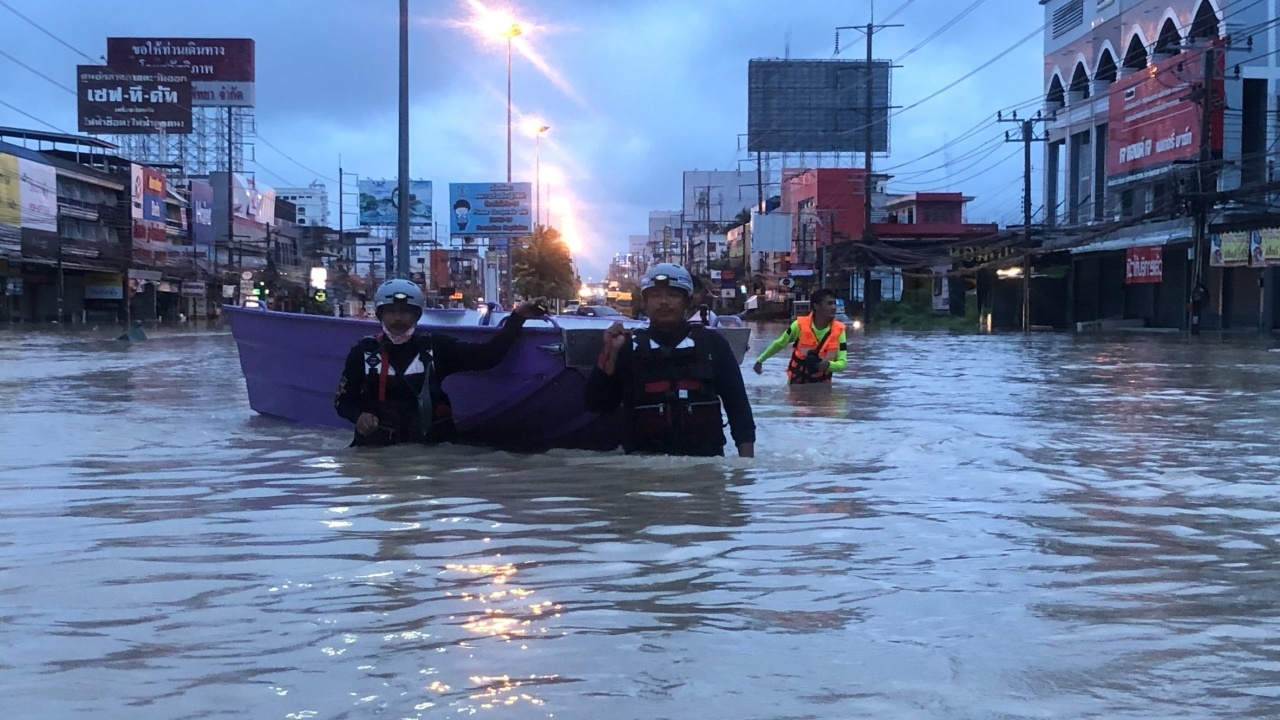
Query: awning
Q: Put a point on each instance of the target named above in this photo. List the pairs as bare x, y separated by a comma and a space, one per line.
1163, 237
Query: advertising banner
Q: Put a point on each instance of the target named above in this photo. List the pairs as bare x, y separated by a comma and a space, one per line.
439, 269
38, 193
800, 270
1144, 265
1229, 249
202, 234
379, 202
222, 70
1152, 120
1266, 247
491, 209
131, 102
10, 194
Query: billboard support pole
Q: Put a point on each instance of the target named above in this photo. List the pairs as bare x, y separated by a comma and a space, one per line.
231, 207
402, 207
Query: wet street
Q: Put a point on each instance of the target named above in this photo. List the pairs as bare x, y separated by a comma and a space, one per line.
962, 527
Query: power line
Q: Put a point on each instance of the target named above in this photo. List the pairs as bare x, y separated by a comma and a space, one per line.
33, 117
295, 162
41, 28
946, 26
18, 62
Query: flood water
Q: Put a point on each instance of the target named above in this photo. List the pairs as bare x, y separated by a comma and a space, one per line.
962, 527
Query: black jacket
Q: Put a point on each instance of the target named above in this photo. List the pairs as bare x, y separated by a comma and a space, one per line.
400, 410
606, 392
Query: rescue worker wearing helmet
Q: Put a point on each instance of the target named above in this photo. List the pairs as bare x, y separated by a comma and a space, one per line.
818, 343
673, 378
391, 382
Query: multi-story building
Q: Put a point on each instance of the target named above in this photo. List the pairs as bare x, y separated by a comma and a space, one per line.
312, 203
1138, 140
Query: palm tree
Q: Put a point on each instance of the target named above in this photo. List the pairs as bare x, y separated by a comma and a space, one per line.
542, 268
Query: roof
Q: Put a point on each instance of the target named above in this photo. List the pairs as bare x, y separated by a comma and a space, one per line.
51, 137
67, 167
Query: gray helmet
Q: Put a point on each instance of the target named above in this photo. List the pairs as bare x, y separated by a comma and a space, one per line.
668, 275
398, 291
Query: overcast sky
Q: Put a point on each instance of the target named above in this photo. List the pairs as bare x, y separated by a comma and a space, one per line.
635, 91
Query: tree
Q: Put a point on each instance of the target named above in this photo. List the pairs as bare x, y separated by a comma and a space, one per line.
542, 268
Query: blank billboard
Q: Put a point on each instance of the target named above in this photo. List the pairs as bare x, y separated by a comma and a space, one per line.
817, 105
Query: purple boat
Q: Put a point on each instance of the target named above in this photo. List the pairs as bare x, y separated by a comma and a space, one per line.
532, 401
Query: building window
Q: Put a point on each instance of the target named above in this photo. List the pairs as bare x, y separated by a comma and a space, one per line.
1067, 17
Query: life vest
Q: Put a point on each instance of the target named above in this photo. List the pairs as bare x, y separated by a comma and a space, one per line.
411, 406
675, 408
803, 370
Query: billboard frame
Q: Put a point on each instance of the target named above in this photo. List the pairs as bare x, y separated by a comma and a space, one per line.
818, 105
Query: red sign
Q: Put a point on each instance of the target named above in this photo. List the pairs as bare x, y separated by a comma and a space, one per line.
1151, 120
1144, 265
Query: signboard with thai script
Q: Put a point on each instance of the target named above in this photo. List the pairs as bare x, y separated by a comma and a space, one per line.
1229, 249
1152, 122
222, 70
125, 101
491, 209
28, 194
1144, 265
1265, 247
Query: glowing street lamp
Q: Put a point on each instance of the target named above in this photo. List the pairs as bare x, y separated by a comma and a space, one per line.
512, 31
537, 172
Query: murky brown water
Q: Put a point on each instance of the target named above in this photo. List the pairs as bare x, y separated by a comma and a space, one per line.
963, 527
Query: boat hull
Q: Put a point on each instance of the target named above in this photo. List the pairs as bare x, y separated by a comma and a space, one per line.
533, 400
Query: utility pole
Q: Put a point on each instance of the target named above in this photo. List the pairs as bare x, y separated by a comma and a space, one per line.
868, 184
1027, 137
1206, 181
231, 203
403, 205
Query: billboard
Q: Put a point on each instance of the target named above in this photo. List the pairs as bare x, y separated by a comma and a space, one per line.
771, 232
202, 234
1265, 248
1152, 122
491, 209
1144, 265
130, 102
28, 194
147, 209
817, 105
379, 202
222, 70
1229, 249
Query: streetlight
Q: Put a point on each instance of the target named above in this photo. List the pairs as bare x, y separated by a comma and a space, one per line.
537, 172
511, 32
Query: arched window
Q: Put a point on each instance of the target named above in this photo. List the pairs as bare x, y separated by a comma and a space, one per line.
1168, 42
1057, 94
1205, 24
1107, 70
1080, 81
1135, 56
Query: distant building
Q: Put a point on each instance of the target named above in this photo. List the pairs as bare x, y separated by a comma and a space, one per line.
312, 203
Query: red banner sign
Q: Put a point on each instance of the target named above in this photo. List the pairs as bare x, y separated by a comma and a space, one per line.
1144, 265
1151, 120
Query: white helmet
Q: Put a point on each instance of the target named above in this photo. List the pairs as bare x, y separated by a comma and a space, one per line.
669, 275
398, 291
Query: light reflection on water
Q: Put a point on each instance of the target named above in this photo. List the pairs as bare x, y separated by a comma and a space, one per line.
961, 527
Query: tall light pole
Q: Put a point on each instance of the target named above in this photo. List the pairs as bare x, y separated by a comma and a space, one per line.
512, 32
537, 173
402, 207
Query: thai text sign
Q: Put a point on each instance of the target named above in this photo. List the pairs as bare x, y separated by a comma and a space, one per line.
1144, 265
1229, 249
128, 101
28, 194
1265, 247
491, 209
380, 202
201, 225
222, 70
1153, 123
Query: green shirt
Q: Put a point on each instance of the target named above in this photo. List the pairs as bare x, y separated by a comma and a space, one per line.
793, 334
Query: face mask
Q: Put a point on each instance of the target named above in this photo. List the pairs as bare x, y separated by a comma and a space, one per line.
398, 339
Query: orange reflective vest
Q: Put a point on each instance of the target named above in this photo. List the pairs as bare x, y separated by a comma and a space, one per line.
803, 367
